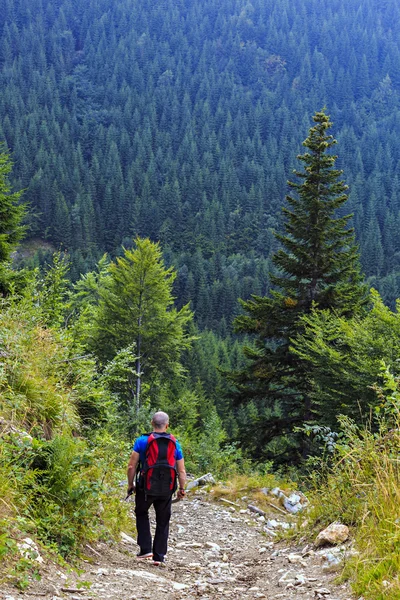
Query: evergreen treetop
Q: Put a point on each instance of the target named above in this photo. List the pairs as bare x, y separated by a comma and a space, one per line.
319, 262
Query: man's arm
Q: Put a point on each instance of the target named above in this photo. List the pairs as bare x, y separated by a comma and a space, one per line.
132, 466
180, 467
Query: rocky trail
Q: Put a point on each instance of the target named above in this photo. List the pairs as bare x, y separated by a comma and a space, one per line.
216, 550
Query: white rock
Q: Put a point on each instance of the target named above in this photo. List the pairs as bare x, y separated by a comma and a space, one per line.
213, 546
292, 504
287, 578
127, 539
28, 549
203, 480
272, 523
179, 586
333, 562
296, 559
270, 532
262, 550
300, 579
189, 545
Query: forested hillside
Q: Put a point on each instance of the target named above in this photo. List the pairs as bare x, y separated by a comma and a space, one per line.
181, 121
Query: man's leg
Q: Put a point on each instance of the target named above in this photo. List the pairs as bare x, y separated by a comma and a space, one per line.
142, 522
162, 507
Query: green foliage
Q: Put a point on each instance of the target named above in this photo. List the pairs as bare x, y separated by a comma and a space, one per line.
11, 212
55, 485
345, 357
133, 308
361, 489
208, 449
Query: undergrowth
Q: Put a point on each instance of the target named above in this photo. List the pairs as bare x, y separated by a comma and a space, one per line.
59, 472
361, 488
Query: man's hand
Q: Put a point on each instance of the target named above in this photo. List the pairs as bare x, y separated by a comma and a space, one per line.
130, 491
181, 493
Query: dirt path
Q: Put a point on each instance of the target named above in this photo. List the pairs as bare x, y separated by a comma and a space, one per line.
215, 552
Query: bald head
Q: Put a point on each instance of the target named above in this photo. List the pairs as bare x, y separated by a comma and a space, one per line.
160, 421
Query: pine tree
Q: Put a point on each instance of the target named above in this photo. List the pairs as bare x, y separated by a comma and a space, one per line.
317, 267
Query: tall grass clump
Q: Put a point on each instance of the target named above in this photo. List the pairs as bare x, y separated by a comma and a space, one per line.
362, 490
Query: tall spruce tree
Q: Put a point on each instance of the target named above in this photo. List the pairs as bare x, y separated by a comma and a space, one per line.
317, 267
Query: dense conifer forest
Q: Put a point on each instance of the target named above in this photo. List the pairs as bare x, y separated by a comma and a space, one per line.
181, 121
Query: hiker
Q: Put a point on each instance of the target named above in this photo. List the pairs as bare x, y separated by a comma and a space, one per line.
157, 462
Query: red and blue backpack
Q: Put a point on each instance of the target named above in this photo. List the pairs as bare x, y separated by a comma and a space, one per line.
158, 476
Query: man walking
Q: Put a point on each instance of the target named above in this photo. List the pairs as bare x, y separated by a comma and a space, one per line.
147, 452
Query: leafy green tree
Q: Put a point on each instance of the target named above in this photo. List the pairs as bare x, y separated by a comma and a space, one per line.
11, 215
136, 307
317, 266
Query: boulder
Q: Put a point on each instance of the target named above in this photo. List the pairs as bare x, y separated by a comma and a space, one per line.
336, 533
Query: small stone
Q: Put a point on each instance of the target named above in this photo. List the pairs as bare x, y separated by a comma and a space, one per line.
322, 591
287, 578
127, 539
294, 558
270, 532
262, 550
189, 545
179, 586
333, 562
213, 546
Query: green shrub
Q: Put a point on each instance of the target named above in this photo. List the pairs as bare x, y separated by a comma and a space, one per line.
362, 490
